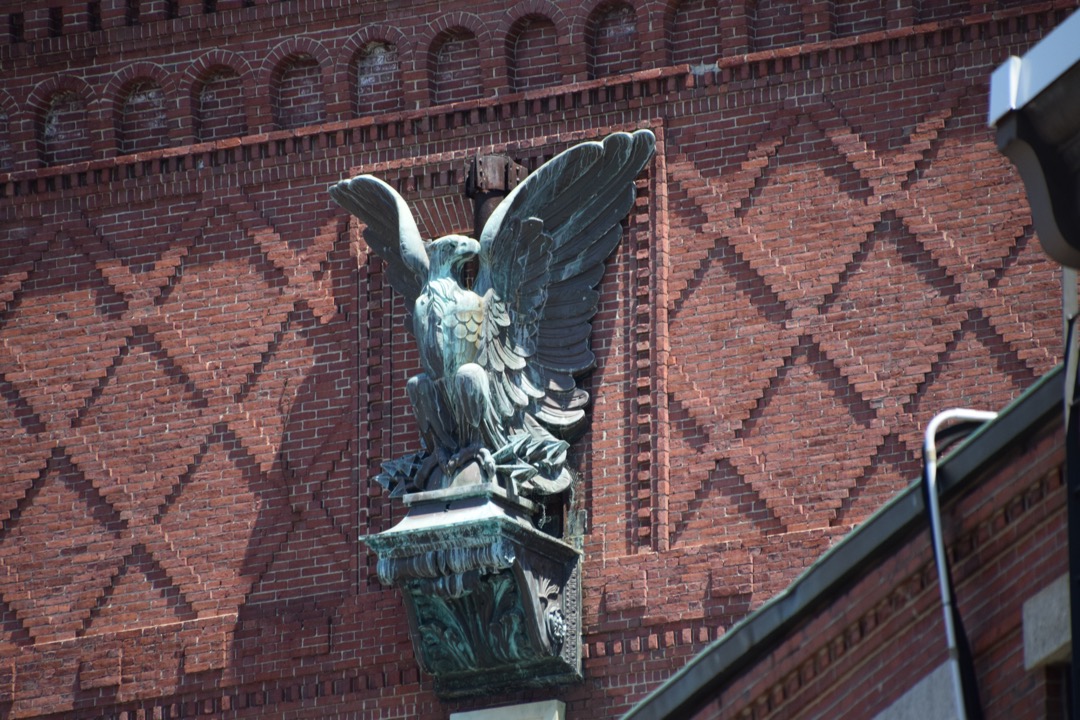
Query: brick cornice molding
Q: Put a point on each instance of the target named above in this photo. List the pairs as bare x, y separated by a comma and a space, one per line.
838, 52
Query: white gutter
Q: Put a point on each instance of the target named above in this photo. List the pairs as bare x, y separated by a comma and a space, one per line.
1017, 81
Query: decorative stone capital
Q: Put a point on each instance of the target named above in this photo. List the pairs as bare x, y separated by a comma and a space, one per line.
493, 603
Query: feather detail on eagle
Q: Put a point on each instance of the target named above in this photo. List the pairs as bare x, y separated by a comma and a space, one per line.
498, 398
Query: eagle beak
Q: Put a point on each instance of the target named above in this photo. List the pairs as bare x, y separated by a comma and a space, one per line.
467, 249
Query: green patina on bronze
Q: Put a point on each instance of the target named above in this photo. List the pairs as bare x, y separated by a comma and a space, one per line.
493, 601
498, 400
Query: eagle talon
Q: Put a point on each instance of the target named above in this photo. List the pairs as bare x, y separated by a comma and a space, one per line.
473, 453
487, 462
423, 474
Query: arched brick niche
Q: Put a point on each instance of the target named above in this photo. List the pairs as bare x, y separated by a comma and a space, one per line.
532, 51
296, 92
454, 66
218, 104
376, 78
142, 122
611, 37
63, 133
695, 32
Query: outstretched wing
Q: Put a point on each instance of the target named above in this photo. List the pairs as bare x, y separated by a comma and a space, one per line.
391, 231
542, 256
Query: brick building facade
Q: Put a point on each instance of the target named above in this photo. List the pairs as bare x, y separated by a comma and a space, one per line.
861, 633
201, 365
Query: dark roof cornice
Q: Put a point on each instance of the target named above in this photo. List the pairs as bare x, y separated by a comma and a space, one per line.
688, 690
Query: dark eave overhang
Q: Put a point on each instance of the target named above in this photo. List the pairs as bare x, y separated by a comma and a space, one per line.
1035, 110
702, 679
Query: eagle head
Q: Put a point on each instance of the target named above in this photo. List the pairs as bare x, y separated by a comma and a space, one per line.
450, 253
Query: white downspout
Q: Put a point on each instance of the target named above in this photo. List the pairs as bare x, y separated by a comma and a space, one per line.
930, 462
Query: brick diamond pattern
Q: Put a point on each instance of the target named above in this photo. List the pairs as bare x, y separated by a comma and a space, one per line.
52, 581
827, 306
146, 393
44, 371
191, 388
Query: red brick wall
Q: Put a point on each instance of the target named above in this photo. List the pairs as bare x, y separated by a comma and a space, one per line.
297, 93
378, 79
7, 161
776, 23
1006, 540
860, 16
201, 365
613, 42
218, 101
143, 123
455, 67
696, 33
64, 129
535, 60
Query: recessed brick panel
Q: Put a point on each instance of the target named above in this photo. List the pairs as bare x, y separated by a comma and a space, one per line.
61, 552
298, 94
378, 79
533, 50
613, 47
696, 34
776, 23
219, 106
141, 591
65, 130
143, 121
455, 67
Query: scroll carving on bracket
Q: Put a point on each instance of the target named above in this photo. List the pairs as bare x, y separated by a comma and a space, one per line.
502, 324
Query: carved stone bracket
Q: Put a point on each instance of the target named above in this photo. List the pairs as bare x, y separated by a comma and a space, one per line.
493, 603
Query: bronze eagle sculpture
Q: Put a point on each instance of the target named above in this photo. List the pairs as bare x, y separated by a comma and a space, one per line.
498, 400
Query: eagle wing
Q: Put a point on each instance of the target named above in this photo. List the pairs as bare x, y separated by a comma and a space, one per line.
391, 232
541, 258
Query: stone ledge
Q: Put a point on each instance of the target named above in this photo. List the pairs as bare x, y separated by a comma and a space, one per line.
1047, 628
930, 699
